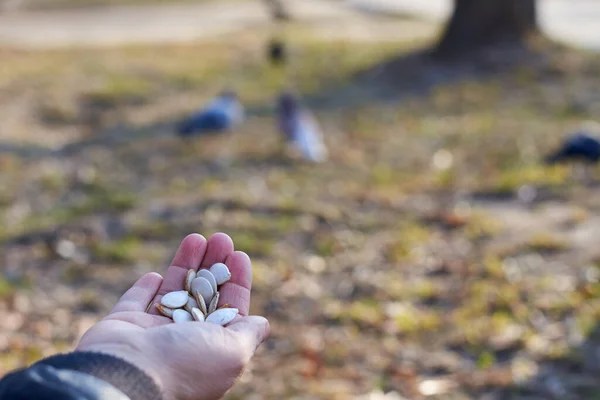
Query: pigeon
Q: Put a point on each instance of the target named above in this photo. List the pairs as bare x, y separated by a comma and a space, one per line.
221, 115
580, 146
300, 129
276, 52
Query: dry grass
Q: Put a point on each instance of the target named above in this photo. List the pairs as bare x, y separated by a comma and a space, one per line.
377, 269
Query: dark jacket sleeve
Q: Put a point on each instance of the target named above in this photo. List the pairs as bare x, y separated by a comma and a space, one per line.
79, 376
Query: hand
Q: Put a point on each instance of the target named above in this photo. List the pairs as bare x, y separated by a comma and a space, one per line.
191, 360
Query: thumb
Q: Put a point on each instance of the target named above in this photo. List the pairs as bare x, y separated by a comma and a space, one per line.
254, 331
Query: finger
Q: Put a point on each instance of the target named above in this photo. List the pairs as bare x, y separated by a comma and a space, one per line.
236, 291
189, 256
140, 294
220, 246
142, 320
253, 330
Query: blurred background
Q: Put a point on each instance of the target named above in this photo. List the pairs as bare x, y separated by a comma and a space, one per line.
408, 239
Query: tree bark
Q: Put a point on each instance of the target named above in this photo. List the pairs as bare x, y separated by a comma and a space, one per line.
476, 24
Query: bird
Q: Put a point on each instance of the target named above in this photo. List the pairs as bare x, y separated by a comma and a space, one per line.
219, 116
580, 146
276, 52
300, 129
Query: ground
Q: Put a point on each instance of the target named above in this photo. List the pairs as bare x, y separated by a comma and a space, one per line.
432, 255
42, 5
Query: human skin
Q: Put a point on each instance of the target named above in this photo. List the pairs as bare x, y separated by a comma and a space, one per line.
190, 360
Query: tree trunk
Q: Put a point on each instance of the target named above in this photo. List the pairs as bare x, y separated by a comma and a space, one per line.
479, 23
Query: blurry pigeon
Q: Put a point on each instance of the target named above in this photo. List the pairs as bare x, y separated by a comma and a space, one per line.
300, 129
578, 147
276, 52
220, 115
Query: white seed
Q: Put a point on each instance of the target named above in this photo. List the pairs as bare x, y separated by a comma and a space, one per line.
204, 287
198, 315
175, 299
213, 303
191, 303
222, 316
189, 277
209, 277
221, 273
181, 316
201, 303
166, 311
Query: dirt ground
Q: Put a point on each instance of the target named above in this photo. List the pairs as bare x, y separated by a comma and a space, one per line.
432, 256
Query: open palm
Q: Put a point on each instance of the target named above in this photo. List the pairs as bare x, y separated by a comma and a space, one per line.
191, 360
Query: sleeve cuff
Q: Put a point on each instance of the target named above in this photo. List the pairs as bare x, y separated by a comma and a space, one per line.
126, 377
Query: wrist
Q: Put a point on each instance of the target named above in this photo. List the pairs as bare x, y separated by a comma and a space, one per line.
131, 356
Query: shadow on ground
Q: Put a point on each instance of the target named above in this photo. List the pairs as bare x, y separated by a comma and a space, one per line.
572, 377
390, 82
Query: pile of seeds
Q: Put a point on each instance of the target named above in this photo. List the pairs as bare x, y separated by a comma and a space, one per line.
199, 300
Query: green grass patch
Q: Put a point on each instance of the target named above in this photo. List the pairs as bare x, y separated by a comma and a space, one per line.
119, 90
123, 251
252, 244
486, 360
547, 243
10, 286
480, 225
366, 312
512, 179
408, 238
